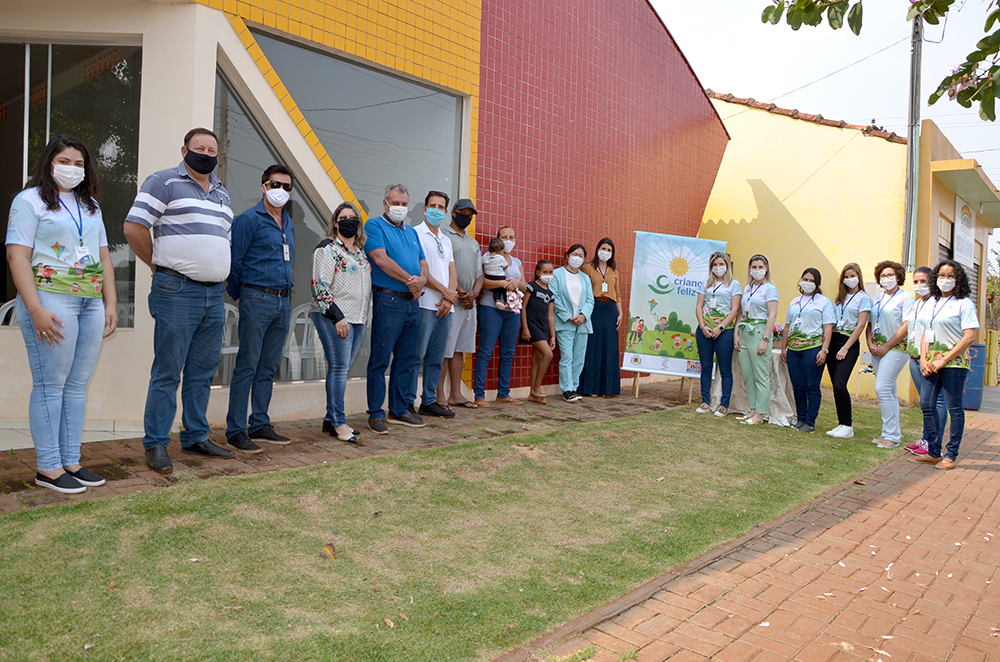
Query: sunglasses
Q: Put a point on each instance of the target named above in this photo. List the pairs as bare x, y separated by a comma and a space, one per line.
273, 184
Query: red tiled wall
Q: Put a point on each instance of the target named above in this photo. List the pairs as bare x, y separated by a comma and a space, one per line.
591, 125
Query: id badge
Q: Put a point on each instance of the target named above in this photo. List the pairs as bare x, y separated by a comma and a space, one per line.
284, 248
840, 325
798, 322
604, 287
929, 336
875, 327
83, 256
714, 303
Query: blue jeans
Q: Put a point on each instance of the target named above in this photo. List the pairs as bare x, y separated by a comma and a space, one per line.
263, 327
434, 332
60, 374
572, 353
395, 330
805, 376
340, 355
187, 338
952, 382
722, 347
494, 325
940, 414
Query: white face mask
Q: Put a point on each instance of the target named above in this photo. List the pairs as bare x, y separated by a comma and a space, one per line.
851, 282
68, 176
575, 261
946, 284
604, 256
277, 197
922, 289
545, 278
398, 213
807, 287
888, 283
719, 272
758, 274
508, 246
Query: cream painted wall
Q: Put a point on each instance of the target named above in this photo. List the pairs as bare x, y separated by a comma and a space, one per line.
807, 195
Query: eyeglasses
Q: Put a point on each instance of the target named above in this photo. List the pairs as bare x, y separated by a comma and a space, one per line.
440, 246
348, 218
274, 184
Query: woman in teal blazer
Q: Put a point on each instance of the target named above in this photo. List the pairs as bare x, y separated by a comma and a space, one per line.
574, 304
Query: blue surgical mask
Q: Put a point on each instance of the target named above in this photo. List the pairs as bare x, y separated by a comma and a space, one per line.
434, 216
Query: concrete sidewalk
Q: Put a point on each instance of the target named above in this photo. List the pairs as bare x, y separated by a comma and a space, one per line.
902, 565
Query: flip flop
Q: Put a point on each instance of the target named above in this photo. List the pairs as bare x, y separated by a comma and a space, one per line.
466, 404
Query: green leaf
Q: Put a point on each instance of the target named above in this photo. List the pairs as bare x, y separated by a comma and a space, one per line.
854, 18
992, 18
987, 108
931, 18
794, 17
835, 14
812, 16
765, 16
912, 12
776, 16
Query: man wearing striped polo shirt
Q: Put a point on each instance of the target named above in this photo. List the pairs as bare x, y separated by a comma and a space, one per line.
189, 212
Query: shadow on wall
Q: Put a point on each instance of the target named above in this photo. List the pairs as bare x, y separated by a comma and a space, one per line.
776, 233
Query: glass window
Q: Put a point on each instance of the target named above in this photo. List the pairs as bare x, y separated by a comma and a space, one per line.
92, 93
245, 151
379, 129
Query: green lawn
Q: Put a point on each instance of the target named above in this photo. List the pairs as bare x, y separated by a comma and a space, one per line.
468, 550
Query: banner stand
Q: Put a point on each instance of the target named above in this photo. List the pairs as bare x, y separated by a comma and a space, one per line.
680, 393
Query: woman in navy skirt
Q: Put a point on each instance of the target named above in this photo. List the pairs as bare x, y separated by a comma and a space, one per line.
602, 366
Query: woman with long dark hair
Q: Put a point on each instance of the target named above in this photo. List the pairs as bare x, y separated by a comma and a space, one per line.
805, 345
887, 343
852, 307
944, 357
601, 367
916, 323
57, 250
342, 292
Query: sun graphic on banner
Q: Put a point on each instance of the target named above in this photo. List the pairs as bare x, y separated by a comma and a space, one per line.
679, 266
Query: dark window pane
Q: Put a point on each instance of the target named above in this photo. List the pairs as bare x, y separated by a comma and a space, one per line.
11, 144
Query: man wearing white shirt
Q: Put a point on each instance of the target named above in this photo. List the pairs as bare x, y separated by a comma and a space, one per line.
436, 304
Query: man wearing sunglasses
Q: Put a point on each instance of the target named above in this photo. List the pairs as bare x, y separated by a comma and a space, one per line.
436, 304
260, 282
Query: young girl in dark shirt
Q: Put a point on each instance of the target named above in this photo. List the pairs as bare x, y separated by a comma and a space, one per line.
538, 327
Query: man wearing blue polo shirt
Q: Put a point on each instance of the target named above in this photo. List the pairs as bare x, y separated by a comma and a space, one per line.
399, 273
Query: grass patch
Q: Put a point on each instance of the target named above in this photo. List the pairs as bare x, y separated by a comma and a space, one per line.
449, 554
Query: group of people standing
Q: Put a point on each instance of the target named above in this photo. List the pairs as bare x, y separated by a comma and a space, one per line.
429, 289
931, 334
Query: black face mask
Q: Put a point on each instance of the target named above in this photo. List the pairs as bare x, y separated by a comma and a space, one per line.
461, 220
201, 163
348, 227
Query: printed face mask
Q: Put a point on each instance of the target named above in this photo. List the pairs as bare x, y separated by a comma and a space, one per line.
922, 289
807, 286
758, 274
201, 163
719, 272
397, 213
68, 176
545, 278
575, 261
946, 284
278, 197
888, 283
851, 282
508, 246
604, 256
434, 216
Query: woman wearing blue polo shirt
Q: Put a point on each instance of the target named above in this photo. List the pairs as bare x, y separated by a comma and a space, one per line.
717, 308
755, 338
805, 345
58, 254
852, 307
887, 342
944, 357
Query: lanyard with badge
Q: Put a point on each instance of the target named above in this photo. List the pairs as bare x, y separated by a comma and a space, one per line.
713, 303
604, 277
83, 257
929, 333
802, 306
879, 307
751, 291
843, 311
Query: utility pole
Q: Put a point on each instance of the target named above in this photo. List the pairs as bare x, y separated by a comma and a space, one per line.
913, 148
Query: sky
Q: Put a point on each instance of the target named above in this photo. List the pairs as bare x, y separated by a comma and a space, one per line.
731, 51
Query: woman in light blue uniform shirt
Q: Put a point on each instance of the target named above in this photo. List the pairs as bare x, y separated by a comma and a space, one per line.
887, 342
805, 345
852, 307
717, 308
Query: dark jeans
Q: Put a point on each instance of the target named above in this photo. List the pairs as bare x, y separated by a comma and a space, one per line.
187, 338
805, 376
840, 374
395, 332
952, 382
708, 350
493, 325
940, 417
263, 327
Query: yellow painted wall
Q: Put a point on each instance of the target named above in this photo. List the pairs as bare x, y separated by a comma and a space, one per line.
807, 195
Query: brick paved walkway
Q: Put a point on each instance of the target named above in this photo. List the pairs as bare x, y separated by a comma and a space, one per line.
122, 463
902, 568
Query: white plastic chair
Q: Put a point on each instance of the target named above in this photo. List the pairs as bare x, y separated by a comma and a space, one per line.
302, 344
8, 308
230, 344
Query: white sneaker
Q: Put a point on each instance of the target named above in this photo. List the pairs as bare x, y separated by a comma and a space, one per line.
842, 432
703, 409
834, 431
